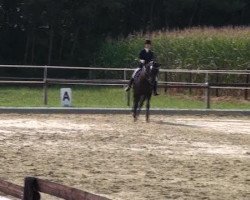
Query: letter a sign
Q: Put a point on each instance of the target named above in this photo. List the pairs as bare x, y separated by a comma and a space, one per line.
66, 97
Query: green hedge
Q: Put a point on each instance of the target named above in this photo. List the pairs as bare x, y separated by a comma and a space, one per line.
196, 48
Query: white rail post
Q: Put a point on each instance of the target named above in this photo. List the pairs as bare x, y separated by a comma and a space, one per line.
247, 81
190, 81
207, 92
124, 86
45, 86
124, 77
127, 94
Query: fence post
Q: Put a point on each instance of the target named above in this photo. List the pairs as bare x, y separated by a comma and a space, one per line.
128, 98
207, 96
190, 81
207, 93
217, 81
127, 94
31, 189
124, 77
45, 86
247, 81
166, 80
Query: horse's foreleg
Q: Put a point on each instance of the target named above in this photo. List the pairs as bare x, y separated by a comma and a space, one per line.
147, 109
142, 99
135, 106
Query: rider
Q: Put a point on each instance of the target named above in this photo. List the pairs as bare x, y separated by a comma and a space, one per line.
145, 56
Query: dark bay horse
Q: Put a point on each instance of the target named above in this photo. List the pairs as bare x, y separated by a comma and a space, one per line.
143, 87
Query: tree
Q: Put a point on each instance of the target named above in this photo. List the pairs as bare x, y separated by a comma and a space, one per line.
69, 32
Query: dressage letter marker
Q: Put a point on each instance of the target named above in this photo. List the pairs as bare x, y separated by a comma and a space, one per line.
66, 97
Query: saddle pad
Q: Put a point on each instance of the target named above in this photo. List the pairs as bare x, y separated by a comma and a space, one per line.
137, 74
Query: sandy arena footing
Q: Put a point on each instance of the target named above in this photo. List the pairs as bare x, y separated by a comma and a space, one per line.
172, 157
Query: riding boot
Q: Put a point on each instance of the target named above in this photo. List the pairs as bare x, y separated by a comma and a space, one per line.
130, 83
155, 89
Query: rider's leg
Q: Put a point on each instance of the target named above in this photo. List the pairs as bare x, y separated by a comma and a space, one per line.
130, 83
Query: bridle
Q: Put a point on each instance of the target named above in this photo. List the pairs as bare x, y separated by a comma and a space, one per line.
149, 68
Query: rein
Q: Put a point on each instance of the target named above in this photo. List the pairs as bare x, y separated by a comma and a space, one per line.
148, 70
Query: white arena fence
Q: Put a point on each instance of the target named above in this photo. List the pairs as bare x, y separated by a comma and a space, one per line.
45, 80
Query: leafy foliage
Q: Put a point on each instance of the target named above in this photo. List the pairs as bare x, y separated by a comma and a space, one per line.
196, 48
69, 32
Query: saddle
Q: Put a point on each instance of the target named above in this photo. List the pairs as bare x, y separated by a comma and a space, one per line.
138, 73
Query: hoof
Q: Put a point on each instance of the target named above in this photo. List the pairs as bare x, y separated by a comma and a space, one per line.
135, 118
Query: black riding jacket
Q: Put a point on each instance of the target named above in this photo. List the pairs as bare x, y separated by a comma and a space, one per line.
147, 56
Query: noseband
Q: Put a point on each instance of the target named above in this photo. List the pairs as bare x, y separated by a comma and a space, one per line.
148, 71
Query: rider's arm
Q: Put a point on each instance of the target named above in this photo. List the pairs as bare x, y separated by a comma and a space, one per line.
152, 56
141, 58
141, 55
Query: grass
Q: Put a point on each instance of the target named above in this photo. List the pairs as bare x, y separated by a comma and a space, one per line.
105, 98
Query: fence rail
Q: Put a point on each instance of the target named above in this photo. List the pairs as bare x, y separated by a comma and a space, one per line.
32, 187
11, 189
207, 85
130, 69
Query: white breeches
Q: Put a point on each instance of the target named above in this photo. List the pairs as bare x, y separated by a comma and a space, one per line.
136, 70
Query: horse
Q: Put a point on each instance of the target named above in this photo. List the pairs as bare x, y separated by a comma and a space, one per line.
143, 87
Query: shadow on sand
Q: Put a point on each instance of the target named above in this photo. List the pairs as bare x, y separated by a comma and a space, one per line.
174, 124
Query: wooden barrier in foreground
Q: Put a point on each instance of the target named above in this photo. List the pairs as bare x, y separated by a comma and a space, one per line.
32, 187
11, 189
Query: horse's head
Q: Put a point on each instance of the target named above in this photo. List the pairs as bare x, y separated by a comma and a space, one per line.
152, 69
155, 69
